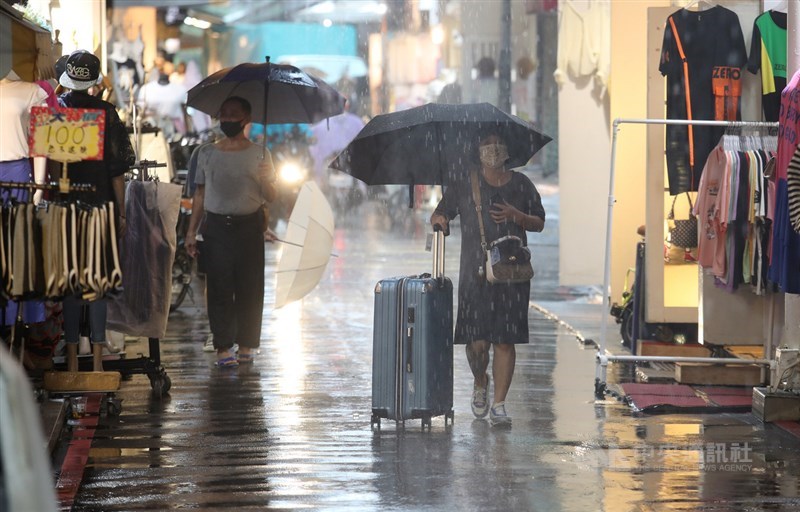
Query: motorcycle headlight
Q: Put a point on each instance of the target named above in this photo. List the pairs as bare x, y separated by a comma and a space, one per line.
291, 173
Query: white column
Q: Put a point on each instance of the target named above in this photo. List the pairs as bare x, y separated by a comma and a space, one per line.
793, 39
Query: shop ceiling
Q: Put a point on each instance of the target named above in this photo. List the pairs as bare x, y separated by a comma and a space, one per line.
226, 12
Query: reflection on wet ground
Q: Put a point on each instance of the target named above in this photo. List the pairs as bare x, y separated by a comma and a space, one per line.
292, 431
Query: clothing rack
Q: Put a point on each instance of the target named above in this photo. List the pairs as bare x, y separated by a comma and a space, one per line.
602, 357
78, 187
150, 366
142, 169
17, 330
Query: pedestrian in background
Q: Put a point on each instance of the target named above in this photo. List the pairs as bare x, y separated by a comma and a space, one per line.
163, 101
234, 181
485, 88
491, 315
81, 75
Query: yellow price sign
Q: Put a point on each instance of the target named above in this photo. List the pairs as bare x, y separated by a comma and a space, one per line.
67, 134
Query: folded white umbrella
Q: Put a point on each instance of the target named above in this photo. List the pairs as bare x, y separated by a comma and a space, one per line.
307, 246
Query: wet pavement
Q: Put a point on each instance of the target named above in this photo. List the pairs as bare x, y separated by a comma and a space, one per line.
293, 430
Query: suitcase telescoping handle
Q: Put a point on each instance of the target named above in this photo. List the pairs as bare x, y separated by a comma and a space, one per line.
409, 349
438, 253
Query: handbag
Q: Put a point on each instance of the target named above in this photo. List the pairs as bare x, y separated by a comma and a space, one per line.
506, 260
683, 233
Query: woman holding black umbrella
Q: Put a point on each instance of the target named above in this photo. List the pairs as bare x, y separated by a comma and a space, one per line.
491, 315
234, 180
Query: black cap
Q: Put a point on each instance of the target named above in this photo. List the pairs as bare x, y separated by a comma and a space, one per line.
61, 66
81, 72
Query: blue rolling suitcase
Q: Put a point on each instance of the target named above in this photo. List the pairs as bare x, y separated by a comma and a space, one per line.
412, 346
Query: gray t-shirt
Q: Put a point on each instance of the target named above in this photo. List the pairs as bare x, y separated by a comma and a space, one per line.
234, 181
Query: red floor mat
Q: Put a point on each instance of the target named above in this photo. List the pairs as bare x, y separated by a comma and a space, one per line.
731, 400
793, 427
642, 401
723, 390
657, 389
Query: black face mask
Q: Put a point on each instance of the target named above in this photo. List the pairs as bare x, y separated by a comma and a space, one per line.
231, 128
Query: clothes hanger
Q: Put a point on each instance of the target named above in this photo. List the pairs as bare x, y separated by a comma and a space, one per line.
781, 7
700, 6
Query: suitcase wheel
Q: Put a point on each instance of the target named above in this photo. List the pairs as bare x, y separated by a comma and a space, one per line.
426, 422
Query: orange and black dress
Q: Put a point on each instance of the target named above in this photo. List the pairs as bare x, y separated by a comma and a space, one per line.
702, 58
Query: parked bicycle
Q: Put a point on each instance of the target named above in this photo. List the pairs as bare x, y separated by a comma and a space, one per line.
183, 266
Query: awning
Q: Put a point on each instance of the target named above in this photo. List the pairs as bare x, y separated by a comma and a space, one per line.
24, 47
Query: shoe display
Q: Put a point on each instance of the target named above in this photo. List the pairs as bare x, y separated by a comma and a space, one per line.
209, 344
498, 415
480, 400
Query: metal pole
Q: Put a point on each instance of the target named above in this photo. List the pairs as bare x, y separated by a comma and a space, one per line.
686, 359
609, 220
266, 100
602, 358
504, 64
683, 122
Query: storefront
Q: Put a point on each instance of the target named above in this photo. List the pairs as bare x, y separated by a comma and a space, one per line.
677, 291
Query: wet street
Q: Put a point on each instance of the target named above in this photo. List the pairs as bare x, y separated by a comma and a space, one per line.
293, 430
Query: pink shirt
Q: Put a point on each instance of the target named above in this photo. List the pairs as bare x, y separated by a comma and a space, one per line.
789, 129
711, 241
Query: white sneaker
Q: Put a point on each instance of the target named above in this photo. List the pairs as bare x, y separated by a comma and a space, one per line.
480, 400
209, 344
498, 415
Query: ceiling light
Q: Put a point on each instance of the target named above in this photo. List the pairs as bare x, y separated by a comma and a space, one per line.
197, 23
323, 8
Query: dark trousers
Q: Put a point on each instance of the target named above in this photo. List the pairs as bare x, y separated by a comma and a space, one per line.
98, 311
234, 262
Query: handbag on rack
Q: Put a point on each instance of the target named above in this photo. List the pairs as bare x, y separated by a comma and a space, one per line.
683, 233
506, 260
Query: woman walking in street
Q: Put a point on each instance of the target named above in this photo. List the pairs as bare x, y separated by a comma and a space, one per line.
234, 181
491, 315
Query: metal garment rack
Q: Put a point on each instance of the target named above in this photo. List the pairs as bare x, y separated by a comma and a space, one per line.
78, 187
17, 337
149, 365
603, 359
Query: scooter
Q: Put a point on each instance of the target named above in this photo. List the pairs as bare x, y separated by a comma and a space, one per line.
346, 193
293, 164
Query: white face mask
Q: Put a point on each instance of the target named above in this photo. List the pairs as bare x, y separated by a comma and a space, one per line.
493, 155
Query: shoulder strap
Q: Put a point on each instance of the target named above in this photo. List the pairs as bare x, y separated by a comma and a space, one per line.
672, 210
476, 198
687, 90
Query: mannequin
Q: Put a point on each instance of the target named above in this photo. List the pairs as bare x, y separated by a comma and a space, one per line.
16, 99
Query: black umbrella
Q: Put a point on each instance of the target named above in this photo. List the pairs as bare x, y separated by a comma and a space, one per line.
278, 93
433, 144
